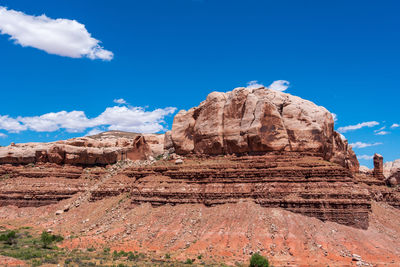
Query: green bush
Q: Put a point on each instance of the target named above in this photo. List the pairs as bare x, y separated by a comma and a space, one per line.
189, 261
115, 255
258, 261
47, 239
9, 238
132, 256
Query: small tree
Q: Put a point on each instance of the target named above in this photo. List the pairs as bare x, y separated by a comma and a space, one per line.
258, 261
47, 239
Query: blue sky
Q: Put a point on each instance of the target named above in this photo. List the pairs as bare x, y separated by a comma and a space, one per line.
161, 55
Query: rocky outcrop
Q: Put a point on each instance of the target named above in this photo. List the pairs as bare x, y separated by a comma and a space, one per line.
391, 167
365, 170
34, 186
299, 182
378, 167
391, 171
251, 121
97, 150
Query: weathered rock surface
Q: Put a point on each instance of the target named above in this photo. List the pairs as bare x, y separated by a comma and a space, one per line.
378, 167
102, 149
34, 186
299, 182
365, 170
391, 167
250, 121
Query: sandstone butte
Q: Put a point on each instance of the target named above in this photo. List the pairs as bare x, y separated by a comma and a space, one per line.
250, 170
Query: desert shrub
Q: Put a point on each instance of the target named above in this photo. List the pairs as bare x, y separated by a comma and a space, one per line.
132, 256
189, 261
122, 253
47, 239
257, 260
91, 249
106, 250
115, 255
36, 262
24, 253
9, 238
167, 256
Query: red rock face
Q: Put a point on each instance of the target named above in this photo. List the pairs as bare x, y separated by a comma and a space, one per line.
34, 186
85, 151
378, 167
258, 121
299, 182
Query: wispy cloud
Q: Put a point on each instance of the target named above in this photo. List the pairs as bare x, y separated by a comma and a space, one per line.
380, 129
278, 85
94, 132
334, 116
120, 101
365, 157
2, 135
61, 37
395, 125
254, 85
382, 133
363, 145
131, 119
358, 126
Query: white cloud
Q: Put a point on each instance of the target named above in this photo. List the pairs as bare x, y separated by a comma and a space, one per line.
382, 133
120, 101
365, 157
395, 125
3, 135
279, 85
131, 119
380, 129
62, 37
362, 145
254, 85
357, 126
74, 121
334, 116
94, 132
11, 125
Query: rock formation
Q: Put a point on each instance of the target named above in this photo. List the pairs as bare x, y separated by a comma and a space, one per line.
365, 170
256, 145
378, 166
299, 182
251, 121
391, 167
103, 149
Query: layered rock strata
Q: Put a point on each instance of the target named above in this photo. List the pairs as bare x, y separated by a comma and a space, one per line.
378, 167
250, 121
299, 182
103, 149
34, 186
